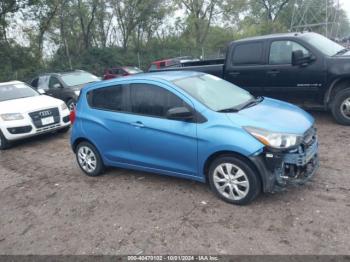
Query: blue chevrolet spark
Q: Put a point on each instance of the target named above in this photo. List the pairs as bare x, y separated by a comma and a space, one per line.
196, 126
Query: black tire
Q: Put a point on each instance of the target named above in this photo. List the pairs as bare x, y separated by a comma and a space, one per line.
4, 143
99, 167
63, 130
252, 190
71, 104
337, 105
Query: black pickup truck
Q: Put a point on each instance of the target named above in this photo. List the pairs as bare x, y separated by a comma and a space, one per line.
307, 69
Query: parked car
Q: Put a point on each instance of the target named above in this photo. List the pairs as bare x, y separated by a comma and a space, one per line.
25, 113
307, 69
121, 71
65, 86
196, 126
171, 62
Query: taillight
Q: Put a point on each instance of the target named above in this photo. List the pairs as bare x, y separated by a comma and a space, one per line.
72, 116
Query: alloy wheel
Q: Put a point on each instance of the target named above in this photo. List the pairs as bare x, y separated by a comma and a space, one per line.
345, 108
231, 181
87, 159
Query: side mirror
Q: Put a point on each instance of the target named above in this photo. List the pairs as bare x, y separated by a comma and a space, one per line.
57, 85
41, 91
299, 59
179, 113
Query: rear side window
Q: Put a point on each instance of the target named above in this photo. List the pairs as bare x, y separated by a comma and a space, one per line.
43, 82
248, 54
113, 98
152, 100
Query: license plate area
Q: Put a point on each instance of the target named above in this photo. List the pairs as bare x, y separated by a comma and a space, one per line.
47, 120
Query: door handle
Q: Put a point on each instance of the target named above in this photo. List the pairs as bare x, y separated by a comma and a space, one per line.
137, 124
273, 72
235, 73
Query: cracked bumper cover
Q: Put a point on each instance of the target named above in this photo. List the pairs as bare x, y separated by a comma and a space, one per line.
295, 167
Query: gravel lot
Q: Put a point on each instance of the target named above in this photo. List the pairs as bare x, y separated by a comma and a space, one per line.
47, 206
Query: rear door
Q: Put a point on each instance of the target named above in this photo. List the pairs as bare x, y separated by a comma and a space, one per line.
157, 142
246, 66
108, 124
297, 84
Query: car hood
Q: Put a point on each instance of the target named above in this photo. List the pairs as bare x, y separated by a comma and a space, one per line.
29, 104
274, 115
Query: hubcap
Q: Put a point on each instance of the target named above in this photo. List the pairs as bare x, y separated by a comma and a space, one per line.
345, 108
231, 181
87, 159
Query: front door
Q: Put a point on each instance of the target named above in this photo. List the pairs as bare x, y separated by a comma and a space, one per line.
297, 84
156, 142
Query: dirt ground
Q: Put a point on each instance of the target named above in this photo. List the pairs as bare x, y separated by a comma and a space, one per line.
47, 206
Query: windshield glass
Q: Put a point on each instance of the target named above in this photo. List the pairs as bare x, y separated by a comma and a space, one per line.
16, 91
132, 70
78, 78
325, 45
214, 92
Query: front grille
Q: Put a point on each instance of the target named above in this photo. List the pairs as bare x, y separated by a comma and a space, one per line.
37, 116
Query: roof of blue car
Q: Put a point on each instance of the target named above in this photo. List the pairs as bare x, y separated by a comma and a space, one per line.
161, 75
167, 75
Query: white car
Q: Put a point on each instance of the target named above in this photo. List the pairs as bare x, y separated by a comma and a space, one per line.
24, 113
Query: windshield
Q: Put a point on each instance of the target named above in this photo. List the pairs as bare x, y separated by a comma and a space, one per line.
78, 78
132, 70
16, 91
214, 92
323, 44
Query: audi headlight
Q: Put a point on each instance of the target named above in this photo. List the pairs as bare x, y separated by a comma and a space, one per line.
273, 139
12, 116
64, 106
77, 92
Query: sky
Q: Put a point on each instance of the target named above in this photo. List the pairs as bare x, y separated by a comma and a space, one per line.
346, 5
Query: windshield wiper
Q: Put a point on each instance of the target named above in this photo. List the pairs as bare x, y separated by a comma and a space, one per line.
252, 102
228, 110
343, 51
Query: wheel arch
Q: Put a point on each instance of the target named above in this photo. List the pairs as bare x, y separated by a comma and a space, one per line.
222, 153
338, 84
80, 140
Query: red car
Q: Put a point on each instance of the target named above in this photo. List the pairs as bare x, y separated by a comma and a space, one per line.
121, 71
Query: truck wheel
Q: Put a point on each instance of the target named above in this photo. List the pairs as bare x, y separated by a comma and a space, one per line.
4, 143
89, 159
341, 107
234, 180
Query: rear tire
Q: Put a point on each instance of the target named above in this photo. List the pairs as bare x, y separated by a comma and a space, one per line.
341, 107
89, 159
234, 180
4, 143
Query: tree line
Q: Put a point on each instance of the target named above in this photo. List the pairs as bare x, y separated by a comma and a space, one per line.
58, 35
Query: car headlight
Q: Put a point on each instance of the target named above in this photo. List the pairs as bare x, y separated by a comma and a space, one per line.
64, 106
12, 116
273, 139
77, 92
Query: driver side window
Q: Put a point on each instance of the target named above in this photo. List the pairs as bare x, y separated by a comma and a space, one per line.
281, 52
53, 81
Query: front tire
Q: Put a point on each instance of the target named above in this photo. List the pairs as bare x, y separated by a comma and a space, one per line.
71, 103
89, 159
4, 143
341, 107
234, 180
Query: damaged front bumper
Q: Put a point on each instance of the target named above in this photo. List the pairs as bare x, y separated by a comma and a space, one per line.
279, 169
